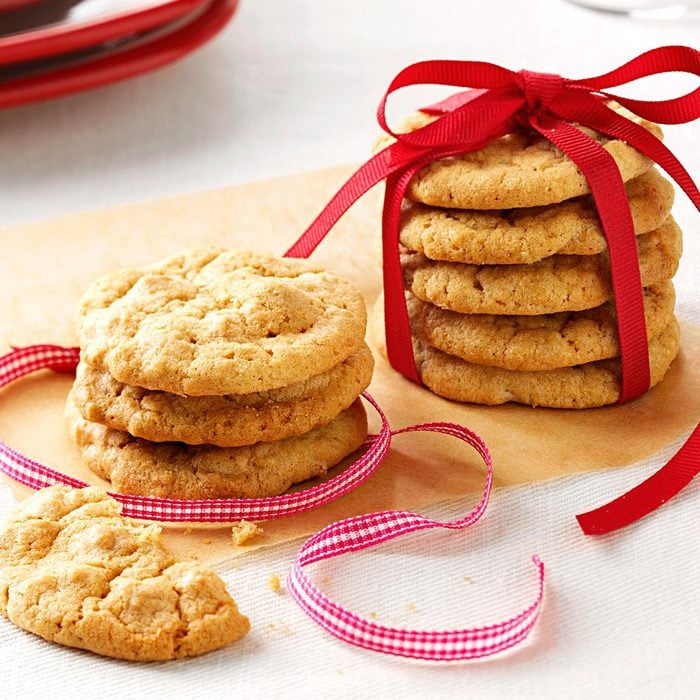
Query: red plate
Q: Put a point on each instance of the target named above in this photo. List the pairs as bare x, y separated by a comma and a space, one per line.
123, 63
6, 5
66, 35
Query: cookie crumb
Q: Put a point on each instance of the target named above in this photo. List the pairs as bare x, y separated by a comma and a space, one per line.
187, 531
206, 541
243, 531
468, 579
273, 583
411, 608
279, 628
326, 580
373, 615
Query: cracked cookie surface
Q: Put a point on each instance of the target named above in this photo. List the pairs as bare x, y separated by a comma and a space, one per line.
513, 236
176, 470
585, 386
557, 283
215, 322
530, 343
225, 421
588, 385
517, 170
75, 572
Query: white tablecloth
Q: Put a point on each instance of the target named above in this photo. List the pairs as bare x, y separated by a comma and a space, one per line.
294, 86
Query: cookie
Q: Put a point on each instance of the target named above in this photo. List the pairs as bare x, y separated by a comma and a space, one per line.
522, 169
176, 470
513, 236
74, 572
215, 322
587, 385
557, 283
530, 343
225, 421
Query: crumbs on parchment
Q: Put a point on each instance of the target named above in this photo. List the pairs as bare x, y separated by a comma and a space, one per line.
243, 531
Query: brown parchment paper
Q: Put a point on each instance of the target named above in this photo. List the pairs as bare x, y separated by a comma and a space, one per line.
46, 266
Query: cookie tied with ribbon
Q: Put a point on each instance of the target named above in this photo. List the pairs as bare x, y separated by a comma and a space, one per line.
503, 102
568, 114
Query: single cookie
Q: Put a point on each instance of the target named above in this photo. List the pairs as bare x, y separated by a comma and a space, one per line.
513, 236
225, 421
74, 572
557, 283
175, 470
530, 343
584, 386
522, 169
214, 322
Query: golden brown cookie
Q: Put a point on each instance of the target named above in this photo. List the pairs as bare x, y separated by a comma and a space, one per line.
557, 283
517, 170
75, 572
513, 236
225, 421
176, 470
530, 343
584, 386
215, 322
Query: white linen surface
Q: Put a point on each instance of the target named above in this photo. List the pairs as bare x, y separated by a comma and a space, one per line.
294, 86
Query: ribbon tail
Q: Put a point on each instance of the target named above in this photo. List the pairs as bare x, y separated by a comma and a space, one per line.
613, 208
597, 115
652, 493
397, 326
645, 142
362, 180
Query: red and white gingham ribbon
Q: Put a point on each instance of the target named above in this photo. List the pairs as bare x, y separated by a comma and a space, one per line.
339, 538
23, 361
368, 530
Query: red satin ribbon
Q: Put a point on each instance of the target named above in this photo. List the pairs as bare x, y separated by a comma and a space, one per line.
649, 495
503, 102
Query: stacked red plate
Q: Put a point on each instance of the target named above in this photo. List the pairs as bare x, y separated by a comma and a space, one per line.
50, 48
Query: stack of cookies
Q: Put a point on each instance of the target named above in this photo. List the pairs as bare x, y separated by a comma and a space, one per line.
507, 275
219, 374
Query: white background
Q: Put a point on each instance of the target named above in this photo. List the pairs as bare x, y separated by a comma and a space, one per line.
293, 86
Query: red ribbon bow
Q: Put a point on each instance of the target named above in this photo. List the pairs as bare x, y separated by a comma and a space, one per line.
502, 102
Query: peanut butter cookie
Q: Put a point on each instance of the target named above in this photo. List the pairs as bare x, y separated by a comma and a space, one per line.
176, 470
75, 572
557, 283
215, 322
226, 421
584, 386
531, 343
515, 236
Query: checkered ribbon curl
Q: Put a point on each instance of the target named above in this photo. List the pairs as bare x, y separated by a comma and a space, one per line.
23, 361
368, 530
339, 538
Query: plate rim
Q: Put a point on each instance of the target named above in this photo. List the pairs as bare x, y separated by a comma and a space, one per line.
125, 64
55, 39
